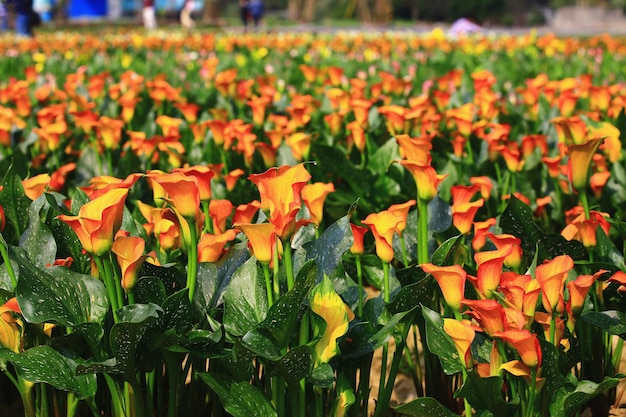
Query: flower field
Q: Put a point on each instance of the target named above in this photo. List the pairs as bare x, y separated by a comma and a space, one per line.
247, 224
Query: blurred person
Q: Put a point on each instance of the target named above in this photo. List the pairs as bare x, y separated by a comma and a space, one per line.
244, 13
185, 15
256, 9
25, 17
464, 26
149, 17
4, 19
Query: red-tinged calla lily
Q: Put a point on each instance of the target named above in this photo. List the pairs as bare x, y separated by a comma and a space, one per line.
463, 215
426, 179
402, 211
515, 319
582, 229
98, 221
490, 270
488, 313
281, 204
57, 179
204, 175
360, 108
65, 262
3, 219
110, 131
416, 150
35, 186
220, 211
189, 111
579, 288
358, 234
182, 192
130, 257
619, 278
570, 130
383, 226
501, 241
11, 327
551, 277
597, 182
168, 233
244, 213
232, 177
357, 137
261, 240
325, 302
217, 130
462, 335
492, 368
481, 229
211, 247
525, 343
259, 106
545, 321
451, 280
463, 193
579, 162
313, 196
518, 368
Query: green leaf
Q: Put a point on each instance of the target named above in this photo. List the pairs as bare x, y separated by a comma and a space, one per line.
445, 254
294, 365
281, 323
486, 393
517, 219
150, 290
568, 402
241, 399
59, 295
37, 240
412, 295
424, 407
214, 278
611, 321
323, 376
44, 364
440, 344
381, 336
245, 299
15, 205
550, 368
330, 247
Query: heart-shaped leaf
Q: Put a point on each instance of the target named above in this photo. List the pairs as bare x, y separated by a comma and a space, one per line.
439, 343
567, 402
424, 407
240, 399
245, 299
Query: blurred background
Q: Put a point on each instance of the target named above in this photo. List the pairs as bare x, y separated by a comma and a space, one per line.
506, 13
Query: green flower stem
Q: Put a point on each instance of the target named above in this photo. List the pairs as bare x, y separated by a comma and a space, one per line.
139, 402
117, 280
505, 190
131, 296
173, 375
319, 403
25, 389
405, 256
275, 277
585, 203
384, 395
7, 262
72, 404
466, 404
364, 383
553, 329
109, 285
288, 265
109, 161
192, 259
470, 151
268, 283
150, 377
422, 232
386, 292
533, 392
208, 224
359, 276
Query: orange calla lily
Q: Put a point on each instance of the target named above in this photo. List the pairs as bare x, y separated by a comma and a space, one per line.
313, 196
130, 257
451, 280
182, 191
551, 277
402, 211
358, 233
525, 343
490, 269
35, 186
204, 175
463, 215
488, 313
11, 327
220, 211
426, 179
579, 288
383, 226
98, 221
580, 157
211, 247
261, 240
462, 335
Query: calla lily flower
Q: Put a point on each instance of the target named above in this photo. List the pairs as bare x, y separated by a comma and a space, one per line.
313, 196
462, 335
98, 221
383, 226
211, 247
451, 280
11, 327
261, 240
580, 157
551, 277
130, 257
325, 302
182, 192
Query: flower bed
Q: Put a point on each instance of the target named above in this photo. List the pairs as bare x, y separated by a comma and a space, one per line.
190, 224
